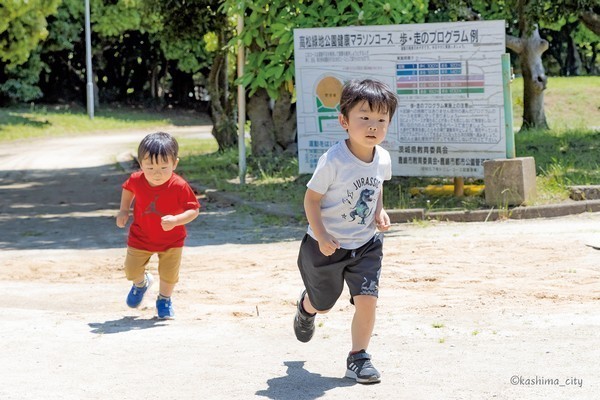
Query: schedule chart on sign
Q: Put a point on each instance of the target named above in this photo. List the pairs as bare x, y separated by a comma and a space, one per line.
445, 77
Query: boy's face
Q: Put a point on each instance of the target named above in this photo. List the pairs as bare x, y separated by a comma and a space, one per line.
158, 171
366, 127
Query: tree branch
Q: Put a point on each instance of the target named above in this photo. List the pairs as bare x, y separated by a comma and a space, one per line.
591, 20
515, 44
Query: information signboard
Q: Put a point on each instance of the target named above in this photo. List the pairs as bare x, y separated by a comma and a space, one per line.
448, 78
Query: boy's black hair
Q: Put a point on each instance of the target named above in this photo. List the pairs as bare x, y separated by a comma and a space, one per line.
158, 144
377, 94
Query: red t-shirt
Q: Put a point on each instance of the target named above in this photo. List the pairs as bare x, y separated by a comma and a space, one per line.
153, 202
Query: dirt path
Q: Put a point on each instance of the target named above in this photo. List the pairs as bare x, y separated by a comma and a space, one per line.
503, 310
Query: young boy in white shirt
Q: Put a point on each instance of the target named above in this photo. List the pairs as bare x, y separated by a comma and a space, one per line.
344, 208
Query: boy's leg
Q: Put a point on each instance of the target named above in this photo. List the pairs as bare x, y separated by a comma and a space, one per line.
135, 264
166, 289
358, 363
308, 307
135, 270
323, 276
363, 321
362, 278
324, 282
169, 262
304, 321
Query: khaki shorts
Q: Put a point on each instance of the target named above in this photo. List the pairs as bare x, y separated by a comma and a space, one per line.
168, 263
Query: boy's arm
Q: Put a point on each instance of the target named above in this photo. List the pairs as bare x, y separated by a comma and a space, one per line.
123, 215
312, 207
169, 222
382, 219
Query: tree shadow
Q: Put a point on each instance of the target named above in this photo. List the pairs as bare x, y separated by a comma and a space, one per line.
76, 208
300, 384
13, 119
125, 324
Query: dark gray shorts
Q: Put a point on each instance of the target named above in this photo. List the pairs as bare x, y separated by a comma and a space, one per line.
324, 276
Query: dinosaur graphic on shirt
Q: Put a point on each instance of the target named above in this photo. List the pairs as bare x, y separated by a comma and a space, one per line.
361, 209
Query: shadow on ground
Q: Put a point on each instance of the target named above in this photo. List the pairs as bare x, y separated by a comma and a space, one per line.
125, 324
300, 384
76, 208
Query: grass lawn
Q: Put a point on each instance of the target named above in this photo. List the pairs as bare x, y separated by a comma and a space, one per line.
567, 154
42, 121
569, 103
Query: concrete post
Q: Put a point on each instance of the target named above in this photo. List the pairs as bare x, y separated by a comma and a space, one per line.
509, 182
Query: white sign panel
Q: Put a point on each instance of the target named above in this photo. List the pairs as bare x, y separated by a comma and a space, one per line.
448, 77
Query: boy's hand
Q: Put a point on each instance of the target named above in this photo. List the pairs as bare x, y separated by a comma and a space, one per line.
382, 219
122, 218
168, 222
328, 244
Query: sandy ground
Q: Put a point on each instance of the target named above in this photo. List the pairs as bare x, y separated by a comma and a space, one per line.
500, 310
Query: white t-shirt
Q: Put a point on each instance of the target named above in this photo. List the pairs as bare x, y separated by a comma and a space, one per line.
350, 189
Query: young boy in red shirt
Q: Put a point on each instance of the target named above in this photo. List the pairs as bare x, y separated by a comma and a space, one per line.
164, 203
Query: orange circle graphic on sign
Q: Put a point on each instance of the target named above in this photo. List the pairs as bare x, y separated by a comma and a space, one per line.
329, 91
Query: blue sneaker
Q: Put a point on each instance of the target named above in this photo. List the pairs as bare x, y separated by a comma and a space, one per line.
164, 308
136, 294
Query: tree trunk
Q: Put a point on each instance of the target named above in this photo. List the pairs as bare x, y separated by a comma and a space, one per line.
534, 81
572, 64
530, 47
284, 122
95, 90
155, 82
573, 61
182, 85
262, 129
590, 64
224, 127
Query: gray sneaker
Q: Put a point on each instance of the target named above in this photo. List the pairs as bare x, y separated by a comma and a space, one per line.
361, 369
304, 324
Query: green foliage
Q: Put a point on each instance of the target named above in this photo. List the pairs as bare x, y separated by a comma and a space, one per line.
65, 27
180, 25
189, 53
545, 12
549, 11
550, 16
21, 84
132, 40
269, 25
115, 19
22, 27
588, 45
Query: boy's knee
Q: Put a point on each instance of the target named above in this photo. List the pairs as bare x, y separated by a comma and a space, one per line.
134, 276
169, 278
325, 310
365, 301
